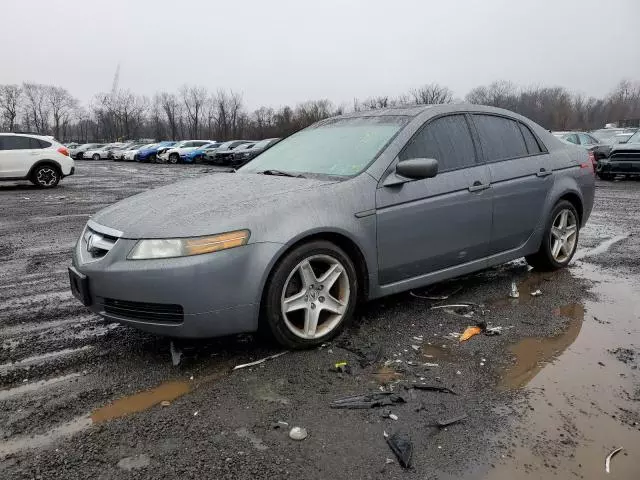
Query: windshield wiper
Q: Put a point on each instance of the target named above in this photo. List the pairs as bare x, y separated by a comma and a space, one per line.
280, 173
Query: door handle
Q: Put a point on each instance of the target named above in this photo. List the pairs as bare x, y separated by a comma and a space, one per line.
543, 173
478, 186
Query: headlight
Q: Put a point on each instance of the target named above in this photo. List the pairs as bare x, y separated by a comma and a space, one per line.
183, 247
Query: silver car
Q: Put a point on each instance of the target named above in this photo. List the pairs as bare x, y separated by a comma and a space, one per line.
349, 209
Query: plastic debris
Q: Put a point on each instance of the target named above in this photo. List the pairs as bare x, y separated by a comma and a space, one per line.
165, 403
258, 362
415, 347
401, 446
537, 293
470, 332
418, 339
341, 367
493, 331
298, 433
431, 365
607, 462
176, 354
432, 388
388, 461
444, 422
368, 400
393, 416
195, 414
514, 290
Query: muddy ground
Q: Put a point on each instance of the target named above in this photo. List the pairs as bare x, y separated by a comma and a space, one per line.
549, 397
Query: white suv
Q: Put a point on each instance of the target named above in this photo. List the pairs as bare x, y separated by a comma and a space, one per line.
172, 154
41, 160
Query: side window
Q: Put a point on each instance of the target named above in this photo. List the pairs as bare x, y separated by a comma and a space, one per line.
447, 139
500, 137
11, 142
532, 144
37, 143
573, 138
585, 139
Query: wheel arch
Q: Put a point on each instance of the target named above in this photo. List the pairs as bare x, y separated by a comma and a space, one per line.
339, 238
575, 199
42, 162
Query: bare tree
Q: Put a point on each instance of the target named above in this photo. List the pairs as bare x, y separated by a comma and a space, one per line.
36, 106
62, 105
194, 99
10, 97
431, 94
172, 111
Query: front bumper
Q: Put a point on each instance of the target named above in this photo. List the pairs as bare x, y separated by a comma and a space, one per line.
217, 293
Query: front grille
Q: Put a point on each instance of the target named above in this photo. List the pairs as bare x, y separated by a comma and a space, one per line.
97, 244
625, 155
142, 311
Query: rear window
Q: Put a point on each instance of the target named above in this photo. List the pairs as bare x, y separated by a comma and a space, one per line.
500, 138
533, 146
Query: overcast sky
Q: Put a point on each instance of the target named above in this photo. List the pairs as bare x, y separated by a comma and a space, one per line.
281, 52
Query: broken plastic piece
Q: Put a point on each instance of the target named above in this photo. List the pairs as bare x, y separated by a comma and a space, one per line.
493, 331
607, 462
428, 364
258, 362
537, 293
433, 388
369, 400
298, 433
470, 332
444, 422
401, 446
393, 416
514, 290
176, 354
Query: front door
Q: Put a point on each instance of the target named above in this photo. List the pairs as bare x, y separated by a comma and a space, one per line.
521, 176
432, 224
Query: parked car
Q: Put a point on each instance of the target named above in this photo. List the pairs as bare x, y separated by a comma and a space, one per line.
130, 155
148, 155
395, 199
78, 153
39, 159
587, 141
172, 154
101, 153
222, 154
71, 146
199, 153
623, 159
242, 155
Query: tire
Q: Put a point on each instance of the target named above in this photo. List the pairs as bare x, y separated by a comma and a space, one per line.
153, 158
174, 158
605, 176
544, 259
332, 304
45, 176
96, 157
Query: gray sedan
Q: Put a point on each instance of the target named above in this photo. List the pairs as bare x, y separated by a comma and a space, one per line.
350, 209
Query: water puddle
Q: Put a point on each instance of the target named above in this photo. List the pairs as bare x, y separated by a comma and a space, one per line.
141, 401
532, 353
436, 352
601, 248
386, 375
581, 398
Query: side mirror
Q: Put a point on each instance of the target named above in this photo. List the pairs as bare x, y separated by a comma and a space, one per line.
417, 168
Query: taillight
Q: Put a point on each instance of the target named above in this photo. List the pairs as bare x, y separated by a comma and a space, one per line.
63, 151
592, 157
590, 164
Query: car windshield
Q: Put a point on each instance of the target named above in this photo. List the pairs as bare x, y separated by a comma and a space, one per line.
262, 143
635, 138
606, 135
340, 147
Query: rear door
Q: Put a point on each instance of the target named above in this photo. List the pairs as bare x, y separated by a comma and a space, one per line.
431, 224
521, 177
17, 155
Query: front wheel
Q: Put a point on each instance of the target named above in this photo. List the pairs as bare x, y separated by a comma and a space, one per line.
311, 295
45, 176
96, 157
174, 158
560, 239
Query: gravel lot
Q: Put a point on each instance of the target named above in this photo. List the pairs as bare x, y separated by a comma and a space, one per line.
551, 396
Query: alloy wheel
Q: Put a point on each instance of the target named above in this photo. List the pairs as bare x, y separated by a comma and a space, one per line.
315, 296
46, 176
564, 234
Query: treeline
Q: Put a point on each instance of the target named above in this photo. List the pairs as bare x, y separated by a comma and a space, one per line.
198, 113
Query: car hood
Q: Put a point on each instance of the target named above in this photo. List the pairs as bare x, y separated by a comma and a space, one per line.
205, 205
622, 147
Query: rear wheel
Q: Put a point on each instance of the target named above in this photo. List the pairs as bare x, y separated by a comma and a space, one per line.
96, 156
174, 158
45, 176
311, 295
560, 239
